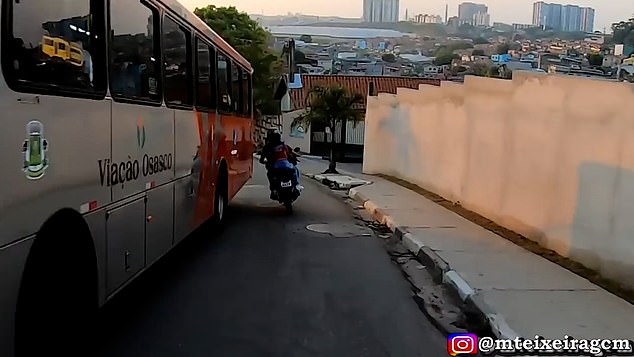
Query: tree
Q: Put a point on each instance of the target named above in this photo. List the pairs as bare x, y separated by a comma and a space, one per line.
459, 46
503, 48
300, 58
252, 41
492, 71
306, 38
595, 59
624, 32
389, 57
327, 106
444, 57
479, 69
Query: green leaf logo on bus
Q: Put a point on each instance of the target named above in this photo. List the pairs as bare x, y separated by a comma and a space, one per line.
34, 150
140, 133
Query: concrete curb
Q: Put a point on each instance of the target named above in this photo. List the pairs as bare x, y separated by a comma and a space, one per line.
307, 156
441, 271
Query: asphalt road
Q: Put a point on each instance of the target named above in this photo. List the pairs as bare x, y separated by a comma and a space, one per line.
269, 287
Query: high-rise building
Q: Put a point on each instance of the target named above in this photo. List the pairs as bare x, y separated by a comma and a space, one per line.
380, 10
587, 19
547, 15
563, 17
467, 12
427, 19
571, 18
481, 19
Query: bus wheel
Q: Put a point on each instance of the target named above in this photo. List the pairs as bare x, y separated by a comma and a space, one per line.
58, 297
221, 200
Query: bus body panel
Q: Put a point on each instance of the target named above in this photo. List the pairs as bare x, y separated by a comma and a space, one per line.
207, 166
188, 167
235, 146
159, 229
67, 172
11, 256
142, 149
125, 227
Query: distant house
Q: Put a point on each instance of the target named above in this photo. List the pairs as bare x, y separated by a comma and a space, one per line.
313, 140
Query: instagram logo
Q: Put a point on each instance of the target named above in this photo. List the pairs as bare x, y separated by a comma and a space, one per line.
462, 344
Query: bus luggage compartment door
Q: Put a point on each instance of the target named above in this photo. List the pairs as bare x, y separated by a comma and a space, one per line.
125, 243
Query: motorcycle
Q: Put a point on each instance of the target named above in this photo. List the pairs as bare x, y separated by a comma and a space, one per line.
282, 183
285, 192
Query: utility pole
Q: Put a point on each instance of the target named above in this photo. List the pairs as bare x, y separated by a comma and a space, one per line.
291, 60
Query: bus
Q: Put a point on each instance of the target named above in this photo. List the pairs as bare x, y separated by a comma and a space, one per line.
109, 165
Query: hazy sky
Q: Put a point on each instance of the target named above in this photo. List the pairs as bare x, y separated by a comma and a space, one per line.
509, 11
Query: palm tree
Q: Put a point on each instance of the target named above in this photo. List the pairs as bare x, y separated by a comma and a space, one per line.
328, 106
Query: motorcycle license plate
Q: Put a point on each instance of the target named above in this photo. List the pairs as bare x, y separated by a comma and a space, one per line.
286, 184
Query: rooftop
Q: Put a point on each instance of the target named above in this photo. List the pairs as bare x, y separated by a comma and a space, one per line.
356, 84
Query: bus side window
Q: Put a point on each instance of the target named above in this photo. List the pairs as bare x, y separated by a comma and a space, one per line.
55, 49
246, 93
236, 88
224, 97
134, 71
213, 74
177, 64
205, 79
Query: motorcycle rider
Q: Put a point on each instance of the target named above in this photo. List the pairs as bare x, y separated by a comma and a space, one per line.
277, 155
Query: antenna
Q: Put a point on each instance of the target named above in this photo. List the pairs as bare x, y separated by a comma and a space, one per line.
446, 13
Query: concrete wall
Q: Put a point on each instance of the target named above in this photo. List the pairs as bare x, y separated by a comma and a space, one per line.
294, 141
550, 157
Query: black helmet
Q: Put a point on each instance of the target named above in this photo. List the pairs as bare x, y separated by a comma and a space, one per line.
276, 137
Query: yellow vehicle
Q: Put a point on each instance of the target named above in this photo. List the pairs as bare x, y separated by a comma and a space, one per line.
60, 48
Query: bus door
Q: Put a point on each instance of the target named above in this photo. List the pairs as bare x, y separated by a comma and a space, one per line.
142, 145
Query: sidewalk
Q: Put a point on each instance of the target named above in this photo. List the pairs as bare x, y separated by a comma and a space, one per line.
517, 292
349, 173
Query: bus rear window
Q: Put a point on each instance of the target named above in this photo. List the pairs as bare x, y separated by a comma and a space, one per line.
56, 46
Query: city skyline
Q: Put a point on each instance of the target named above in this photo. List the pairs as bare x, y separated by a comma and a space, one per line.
507, 11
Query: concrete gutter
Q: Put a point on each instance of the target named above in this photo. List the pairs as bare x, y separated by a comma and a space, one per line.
441, 271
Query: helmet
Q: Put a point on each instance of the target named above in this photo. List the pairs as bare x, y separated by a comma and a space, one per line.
276, 137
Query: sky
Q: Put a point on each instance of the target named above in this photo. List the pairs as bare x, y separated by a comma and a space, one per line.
507, 11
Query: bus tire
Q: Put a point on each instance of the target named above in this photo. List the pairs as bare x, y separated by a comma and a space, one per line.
58, 297
221, 198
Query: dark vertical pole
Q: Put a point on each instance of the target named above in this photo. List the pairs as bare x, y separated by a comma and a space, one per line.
291, 61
